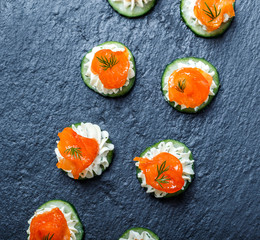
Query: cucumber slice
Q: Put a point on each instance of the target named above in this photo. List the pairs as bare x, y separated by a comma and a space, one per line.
173, 66
140, 231
175, 144
109, 157
198, 29
125, 89
68, 208
136, 12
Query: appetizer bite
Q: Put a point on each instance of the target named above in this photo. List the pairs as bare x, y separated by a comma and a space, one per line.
55, 220
190, 84
84, 150
139, 234
132, 8
165, 169
207, 18
109, 69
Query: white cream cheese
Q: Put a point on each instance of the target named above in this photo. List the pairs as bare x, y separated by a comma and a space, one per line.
94, 78
178, 153
70, 222
136, 236
90, 130
133, 3
191, 64
188, 10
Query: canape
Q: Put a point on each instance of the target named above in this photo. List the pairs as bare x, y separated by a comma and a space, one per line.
132, 8
207, 18
139, 234
109, 69
165, 169
190, 84
55, 220
84, 150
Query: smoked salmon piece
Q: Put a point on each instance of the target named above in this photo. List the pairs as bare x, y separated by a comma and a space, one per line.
211, 12
163, 172
111, 67
189, 86
78, 152
51, 225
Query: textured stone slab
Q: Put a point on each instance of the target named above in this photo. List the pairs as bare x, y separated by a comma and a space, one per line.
41, 92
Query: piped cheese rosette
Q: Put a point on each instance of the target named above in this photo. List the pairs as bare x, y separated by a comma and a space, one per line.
208, 18
139, 234
55, 220
189, 84
109, 69
84, 150
166, 168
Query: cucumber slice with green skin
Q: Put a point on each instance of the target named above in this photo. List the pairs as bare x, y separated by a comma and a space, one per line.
68, 208
109, 158
140, 231
136, 12
175, 144
170, 68
198, 29
125, 89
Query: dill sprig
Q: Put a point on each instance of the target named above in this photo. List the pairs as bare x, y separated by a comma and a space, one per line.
181, 86
75, 152
48, 237
209, 12
107, 63
162, 179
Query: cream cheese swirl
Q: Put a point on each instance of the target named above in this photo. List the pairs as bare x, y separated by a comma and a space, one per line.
137, 236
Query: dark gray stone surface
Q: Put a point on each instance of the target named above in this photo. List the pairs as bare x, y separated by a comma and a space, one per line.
41, 92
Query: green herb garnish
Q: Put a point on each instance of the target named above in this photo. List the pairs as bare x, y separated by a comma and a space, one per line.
75, 152
210, 13
181, 86
106, 64
48, 237
162, 179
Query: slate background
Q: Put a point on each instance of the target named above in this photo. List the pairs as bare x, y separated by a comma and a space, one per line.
42, 44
